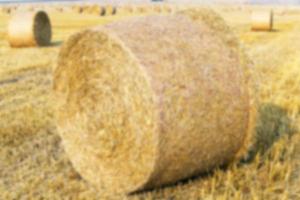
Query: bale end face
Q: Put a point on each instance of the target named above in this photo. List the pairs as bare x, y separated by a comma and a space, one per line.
122, 101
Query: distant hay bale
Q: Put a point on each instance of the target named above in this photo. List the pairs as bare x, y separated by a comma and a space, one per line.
110, 10
59, 9
125, 9
140, 113
85, 9
29, 29
101, 11
143, 9
167, 8
78, 9
89, 9
7, 10
129, 9
95, 9
157, 8
262, 20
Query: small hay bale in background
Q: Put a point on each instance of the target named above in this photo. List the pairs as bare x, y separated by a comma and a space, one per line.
167, 8
101, 11
157, 8
29, 29
7, 10
78, 9
143, 9
129, 8
59, 9
262, 20
136, 111
96, 10
125, 9
110, 10
85, 9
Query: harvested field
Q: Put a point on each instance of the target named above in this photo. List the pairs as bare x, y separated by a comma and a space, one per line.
33, 162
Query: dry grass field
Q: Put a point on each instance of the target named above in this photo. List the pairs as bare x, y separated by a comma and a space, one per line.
33, 164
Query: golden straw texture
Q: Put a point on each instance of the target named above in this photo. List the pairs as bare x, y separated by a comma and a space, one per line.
223, 31
262, 21
29, 29
149, 101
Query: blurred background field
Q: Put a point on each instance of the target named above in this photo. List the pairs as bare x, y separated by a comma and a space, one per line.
32, 160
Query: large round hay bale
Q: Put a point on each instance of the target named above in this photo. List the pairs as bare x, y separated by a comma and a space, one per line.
29, 29
262, 21
137, 111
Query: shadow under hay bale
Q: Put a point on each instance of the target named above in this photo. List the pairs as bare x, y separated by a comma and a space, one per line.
147, 123
29, 29
272, 124
55, 43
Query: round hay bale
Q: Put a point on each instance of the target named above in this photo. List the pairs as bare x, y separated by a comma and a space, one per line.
8, 10
93, 9
101, 11
59, 9
157, 8
89, 9
143, 9
110, 10
262, 21
85, 9
167, 8
129, 8
136, 111
125, 9
78, 9
29, 29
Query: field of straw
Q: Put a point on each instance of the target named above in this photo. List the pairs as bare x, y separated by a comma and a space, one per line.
34, 165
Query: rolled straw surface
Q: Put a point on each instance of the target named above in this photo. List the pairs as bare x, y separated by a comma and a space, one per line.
262, 21
29, 29
149, 101
221, 30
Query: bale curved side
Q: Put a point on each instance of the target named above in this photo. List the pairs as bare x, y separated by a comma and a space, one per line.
29, 29
222, 30
136, 111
